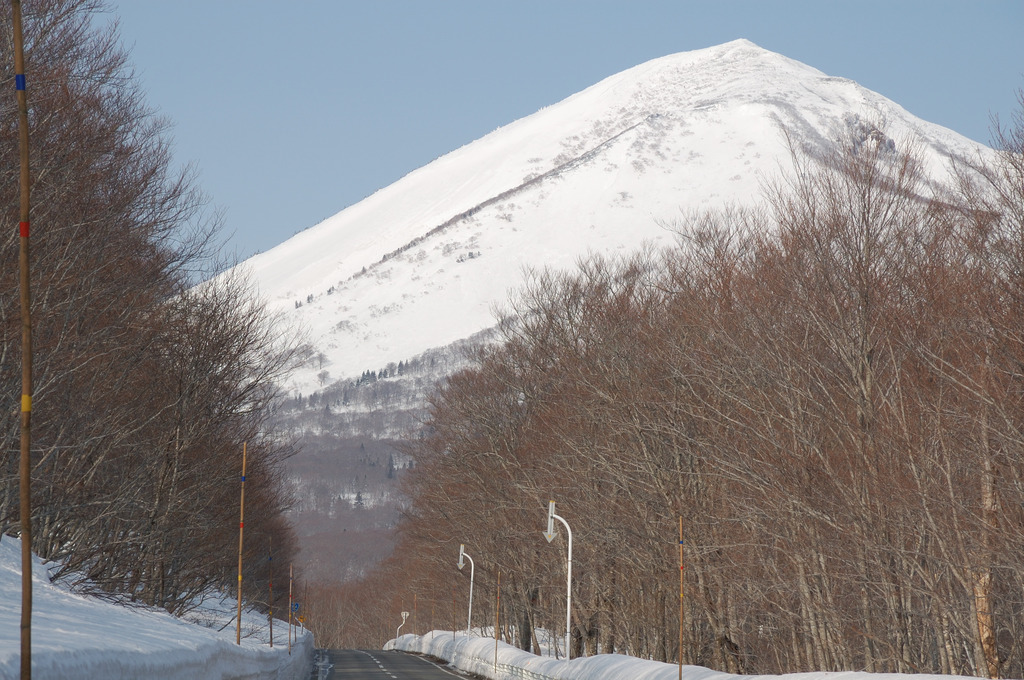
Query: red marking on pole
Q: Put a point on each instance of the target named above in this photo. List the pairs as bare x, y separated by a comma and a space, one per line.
23, 228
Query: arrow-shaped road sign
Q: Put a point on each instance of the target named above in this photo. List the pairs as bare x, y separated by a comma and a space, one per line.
550, 533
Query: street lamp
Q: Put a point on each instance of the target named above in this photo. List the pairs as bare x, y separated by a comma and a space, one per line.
405, 615
472, 569
550, 535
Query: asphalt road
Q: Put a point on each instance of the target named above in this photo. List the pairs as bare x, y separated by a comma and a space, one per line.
358, 664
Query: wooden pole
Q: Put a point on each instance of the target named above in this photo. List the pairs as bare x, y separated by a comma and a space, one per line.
241, 531
300, 616
497, 613
680, 597
291, 574
25, 462
270, 584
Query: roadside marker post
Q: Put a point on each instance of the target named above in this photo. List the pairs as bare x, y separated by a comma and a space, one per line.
241, 532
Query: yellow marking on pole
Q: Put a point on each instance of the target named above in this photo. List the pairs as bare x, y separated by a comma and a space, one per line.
26, 403
241, 530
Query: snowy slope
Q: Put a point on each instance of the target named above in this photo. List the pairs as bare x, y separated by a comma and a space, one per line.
482, 657
81, 638
422, 263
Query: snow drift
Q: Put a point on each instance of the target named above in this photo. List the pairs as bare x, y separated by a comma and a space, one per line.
79, 638
480, 656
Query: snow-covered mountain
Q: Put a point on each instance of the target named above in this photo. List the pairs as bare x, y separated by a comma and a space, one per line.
423, 262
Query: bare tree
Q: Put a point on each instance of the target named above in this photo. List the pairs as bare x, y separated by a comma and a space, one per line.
826, 391
146, 386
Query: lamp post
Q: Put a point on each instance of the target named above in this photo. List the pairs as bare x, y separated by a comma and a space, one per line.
550, 535
472, 569
405, 615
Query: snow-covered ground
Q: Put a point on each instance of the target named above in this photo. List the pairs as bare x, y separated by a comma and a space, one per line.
79, 637
481, 656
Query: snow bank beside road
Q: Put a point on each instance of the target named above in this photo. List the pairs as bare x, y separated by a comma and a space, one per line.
477, 655
77, 637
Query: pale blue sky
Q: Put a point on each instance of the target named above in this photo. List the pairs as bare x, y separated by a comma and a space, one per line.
293, 110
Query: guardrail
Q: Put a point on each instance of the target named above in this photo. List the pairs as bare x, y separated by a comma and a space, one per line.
520, 672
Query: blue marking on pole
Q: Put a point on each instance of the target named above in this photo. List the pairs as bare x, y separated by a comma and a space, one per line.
19, 81
243, 478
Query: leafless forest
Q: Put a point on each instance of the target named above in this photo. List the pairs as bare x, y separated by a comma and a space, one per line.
145, 387
829, 393
346, 479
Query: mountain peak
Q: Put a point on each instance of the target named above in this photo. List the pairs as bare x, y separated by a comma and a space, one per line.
737, 71
422, 263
